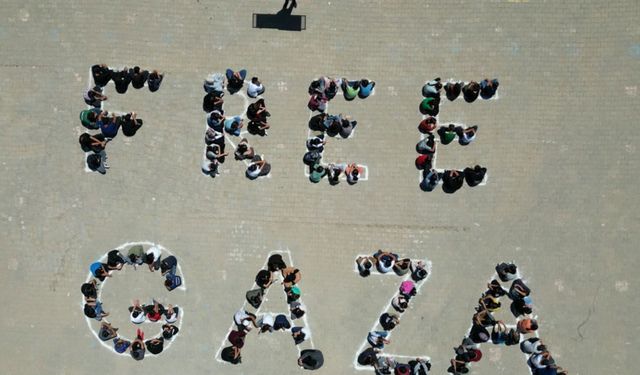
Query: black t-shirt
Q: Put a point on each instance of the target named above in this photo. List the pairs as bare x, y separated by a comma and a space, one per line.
137, 352
154, 81
86, 143
114, 259
89, 290
169, 330
452, 183
122, 80
453, 90
479, 334
89, 311
387, 322
275, 263
227, 355
262, 278
367, 357
155, 347
471, 92
129, 126
473, 176
168, 263
101, 75
208, 101
138, 79
317, 122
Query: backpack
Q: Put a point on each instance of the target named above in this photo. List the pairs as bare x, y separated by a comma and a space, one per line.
512, 337
254, 297
176, 281
311, 158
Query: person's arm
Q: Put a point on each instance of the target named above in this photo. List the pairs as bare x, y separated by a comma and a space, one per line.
260, 163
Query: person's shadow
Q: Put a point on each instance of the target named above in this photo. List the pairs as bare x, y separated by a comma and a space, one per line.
283, 20
286, 11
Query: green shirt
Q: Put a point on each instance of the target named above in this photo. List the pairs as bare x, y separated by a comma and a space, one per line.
316, 176
137, 250
350, 92
84, 119
448, 136
427, 104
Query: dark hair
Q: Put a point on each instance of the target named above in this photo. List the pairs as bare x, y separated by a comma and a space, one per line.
252, 167
365, 272
92, 116
319, 168
534, 325
254, 79
355, 172
365, 82
168, 283
148, 259
234, 125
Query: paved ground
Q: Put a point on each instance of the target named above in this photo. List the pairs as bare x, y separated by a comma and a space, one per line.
560, 145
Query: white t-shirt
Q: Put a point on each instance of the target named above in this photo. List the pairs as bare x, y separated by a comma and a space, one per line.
268, 320
239, 318
138, 319
536, 360
253, 89
155, 251
173, 318
255, 172
384, 269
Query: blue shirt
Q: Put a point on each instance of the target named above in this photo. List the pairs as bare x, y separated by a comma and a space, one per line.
366, 90
109, 130
227, 125
94, 267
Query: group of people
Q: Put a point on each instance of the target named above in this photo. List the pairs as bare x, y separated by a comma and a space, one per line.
430, 104
245, 320
321, 91
218, 125
452, 180
386, 262
94, 118
154, 312
485, 327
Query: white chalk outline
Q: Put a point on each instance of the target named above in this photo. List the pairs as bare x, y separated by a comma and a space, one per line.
509, 326
102, 284
362, 167
244, 305
227, 137
437, 137
365, 343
